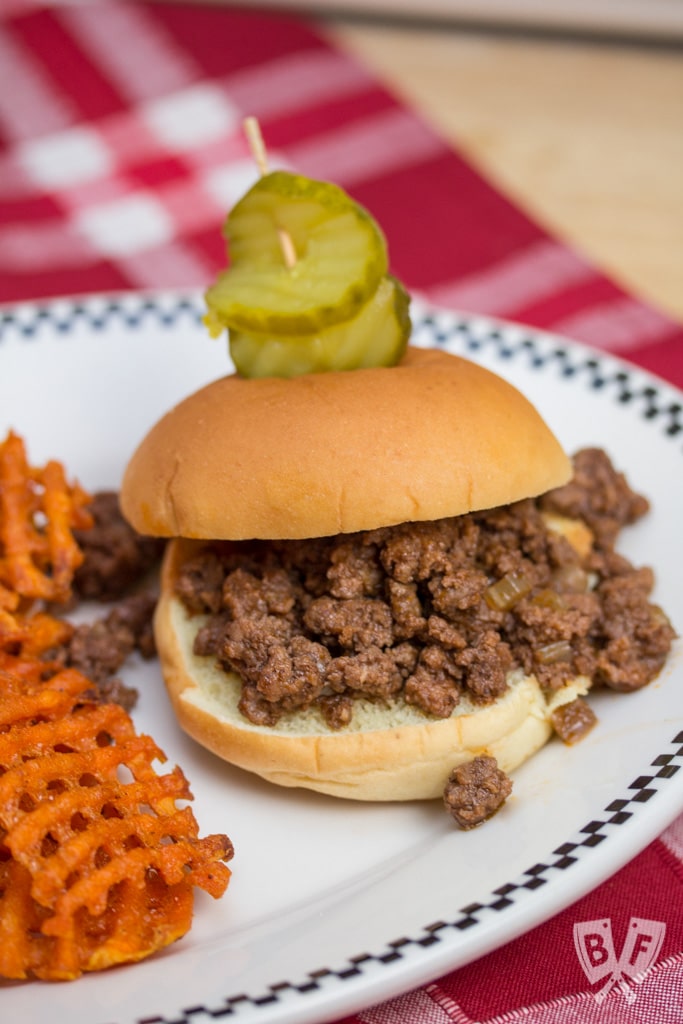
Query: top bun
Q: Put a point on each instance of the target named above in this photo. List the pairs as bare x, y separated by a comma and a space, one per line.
339, 452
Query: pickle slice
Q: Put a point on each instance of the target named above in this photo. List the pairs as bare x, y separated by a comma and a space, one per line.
341, 256
376, 336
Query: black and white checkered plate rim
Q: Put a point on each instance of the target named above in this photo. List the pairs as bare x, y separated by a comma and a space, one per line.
651, 399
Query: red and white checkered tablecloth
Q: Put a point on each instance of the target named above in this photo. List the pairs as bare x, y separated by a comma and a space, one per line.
122, 148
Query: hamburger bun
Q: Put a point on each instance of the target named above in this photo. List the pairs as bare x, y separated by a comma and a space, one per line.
340, 452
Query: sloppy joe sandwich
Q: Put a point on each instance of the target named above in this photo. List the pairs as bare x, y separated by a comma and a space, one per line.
377, 575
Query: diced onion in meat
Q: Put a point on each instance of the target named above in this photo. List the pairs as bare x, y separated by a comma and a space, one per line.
548, 598
550, 654
506, 592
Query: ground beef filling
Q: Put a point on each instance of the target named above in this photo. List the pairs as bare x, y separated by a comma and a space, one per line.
475, 791
116, 564
115, 557
99, 649
433, 611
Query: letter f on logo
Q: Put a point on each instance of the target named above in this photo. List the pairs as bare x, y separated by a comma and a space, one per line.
643, 942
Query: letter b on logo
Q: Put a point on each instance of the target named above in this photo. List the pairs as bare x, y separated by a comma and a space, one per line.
596, 950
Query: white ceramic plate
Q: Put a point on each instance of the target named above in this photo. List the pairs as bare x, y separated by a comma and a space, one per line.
334, 906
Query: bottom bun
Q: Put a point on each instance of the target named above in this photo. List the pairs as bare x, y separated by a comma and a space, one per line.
386, 753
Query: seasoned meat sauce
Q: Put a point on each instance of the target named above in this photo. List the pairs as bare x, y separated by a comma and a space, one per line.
433, 611
116, 561
115, 556
100, 648
475, 791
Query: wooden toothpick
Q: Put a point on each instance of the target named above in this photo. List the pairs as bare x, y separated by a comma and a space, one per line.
252, 130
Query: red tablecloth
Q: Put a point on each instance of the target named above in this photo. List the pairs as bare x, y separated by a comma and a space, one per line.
121, 128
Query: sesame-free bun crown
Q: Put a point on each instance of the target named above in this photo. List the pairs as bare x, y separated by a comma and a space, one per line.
330, 453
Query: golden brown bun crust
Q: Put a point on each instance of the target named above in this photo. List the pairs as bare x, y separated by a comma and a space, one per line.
333, 453
386, 754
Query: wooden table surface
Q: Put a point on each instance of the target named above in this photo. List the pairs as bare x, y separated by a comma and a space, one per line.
586, 135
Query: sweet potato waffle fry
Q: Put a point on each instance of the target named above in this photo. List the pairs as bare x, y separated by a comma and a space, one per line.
97, 860
39, 510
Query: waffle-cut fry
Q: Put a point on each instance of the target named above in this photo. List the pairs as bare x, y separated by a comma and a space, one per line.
32, 634
39, 510
98, 862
